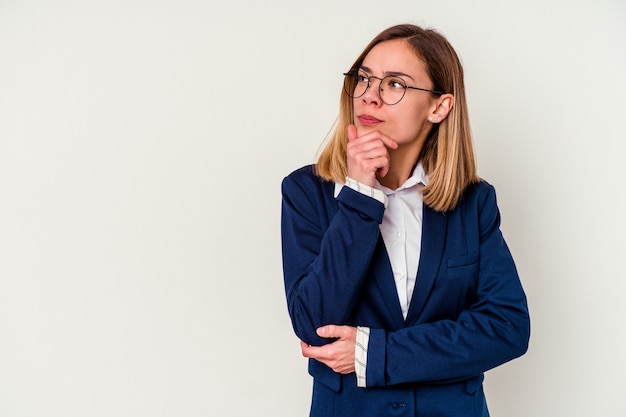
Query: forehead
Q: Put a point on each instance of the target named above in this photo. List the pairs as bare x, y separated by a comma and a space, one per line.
394, 56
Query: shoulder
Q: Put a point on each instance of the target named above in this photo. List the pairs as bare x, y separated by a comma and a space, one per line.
306, 180
479, 193
479, 203
304, 185
305, 173
306, 195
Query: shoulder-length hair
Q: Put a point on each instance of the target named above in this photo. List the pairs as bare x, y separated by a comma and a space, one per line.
448, 153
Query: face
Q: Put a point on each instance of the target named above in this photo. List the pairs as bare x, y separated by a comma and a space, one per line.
407, 121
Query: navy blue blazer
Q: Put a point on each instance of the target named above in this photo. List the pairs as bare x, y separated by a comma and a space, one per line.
468, 312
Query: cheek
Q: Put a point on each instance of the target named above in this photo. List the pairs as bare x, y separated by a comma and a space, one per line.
410, 126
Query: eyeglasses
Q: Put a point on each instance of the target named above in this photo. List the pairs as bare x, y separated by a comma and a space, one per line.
391, 88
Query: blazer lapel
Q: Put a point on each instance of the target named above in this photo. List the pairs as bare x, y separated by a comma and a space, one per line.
383, 276
434, 225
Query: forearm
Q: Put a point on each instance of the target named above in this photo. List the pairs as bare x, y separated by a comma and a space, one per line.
325, 265
446, 350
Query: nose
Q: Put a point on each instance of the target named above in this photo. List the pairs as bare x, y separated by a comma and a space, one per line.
372, 94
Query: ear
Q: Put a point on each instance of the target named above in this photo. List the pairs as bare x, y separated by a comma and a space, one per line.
443, 105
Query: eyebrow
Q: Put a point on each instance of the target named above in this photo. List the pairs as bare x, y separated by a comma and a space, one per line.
389, 73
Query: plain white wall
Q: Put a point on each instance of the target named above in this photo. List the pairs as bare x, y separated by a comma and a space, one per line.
142, 145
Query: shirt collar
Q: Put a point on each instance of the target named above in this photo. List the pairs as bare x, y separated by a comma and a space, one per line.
419, 176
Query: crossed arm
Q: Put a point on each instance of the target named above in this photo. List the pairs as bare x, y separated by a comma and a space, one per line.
326, 265
339, 355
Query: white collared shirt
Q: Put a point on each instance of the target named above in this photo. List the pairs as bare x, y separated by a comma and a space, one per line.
402, 233
401, 230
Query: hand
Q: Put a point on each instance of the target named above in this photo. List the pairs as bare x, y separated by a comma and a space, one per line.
339, 355
367, 155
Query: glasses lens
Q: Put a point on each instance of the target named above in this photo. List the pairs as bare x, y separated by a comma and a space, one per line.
355, 83
392, 89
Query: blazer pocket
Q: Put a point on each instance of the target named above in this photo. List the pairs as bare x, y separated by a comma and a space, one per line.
463, 261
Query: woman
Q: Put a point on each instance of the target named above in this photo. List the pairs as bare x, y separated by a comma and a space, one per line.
398, 280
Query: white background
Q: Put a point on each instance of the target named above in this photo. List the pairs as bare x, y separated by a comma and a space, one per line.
142, 145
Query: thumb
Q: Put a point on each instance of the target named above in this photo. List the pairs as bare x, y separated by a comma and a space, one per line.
352, 132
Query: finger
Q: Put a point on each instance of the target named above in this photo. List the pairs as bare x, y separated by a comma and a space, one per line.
376, 135
333, 331
366, 153
352, 132
390, 143
373, 163
308, 351
320, 353
326, 331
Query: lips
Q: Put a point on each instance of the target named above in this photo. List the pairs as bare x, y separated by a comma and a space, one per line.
368, 120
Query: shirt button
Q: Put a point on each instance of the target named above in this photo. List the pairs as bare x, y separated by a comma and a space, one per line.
398, 234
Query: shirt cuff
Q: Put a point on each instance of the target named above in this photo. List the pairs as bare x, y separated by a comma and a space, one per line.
367, 190
360, 356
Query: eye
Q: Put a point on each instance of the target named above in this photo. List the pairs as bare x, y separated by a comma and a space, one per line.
362, 78
394, 83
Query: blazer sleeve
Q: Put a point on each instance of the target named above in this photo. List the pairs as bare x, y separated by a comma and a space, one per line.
326, 247
494, 329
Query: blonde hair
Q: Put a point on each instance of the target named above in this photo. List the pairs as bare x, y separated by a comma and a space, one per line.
448, 153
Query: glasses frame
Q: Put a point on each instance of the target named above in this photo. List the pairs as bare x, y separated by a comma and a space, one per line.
353, 73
